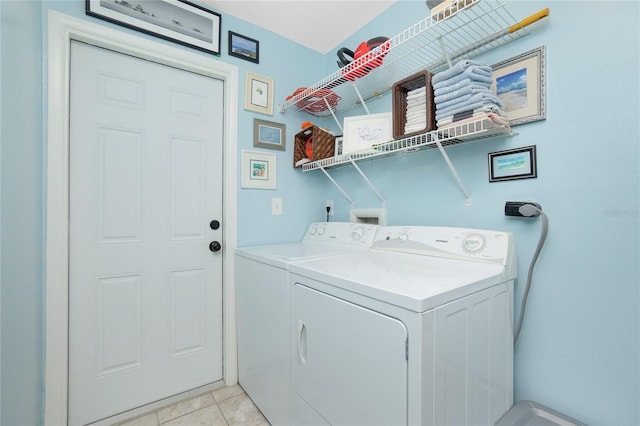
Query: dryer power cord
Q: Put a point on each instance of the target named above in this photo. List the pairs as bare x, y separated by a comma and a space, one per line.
530, 210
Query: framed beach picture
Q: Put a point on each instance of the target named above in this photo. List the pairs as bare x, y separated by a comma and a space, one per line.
267, 134
180, 21
244, 47
258, 170
519, 82
512, 164
258, 94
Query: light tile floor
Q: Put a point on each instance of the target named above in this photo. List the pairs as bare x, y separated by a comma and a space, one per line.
227, 406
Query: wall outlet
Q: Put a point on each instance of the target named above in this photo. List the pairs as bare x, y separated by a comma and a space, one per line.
330, 205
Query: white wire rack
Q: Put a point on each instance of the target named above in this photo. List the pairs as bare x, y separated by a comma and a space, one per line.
471, 28
475, 130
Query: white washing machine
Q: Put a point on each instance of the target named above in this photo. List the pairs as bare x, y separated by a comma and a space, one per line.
263, 309
417, 330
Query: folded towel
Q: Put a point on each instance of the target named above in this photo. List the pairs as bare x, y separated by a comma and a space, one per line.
465, 99
475, 101
494, 119
493, 109
417, 103
468, 89
419, 90
467, 107
472, 73
459, 68
460, 85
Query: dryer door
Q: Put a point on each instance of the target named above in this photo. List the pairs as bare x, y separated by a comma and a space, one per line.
350, 362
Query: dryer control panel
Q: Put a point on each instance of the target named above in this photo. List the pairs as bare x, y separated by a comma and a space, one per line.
454, 243
358, 234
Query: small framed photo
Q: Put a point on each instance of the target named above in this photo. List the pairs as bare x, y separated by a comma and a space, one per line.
519, 82
363, 132
258, 94
267, 134
244, 47
338, 146
512, 164
180, 21
258, 170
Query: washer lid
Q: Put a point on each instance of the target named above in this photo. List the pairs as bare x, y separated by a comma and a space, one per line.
411, 281
281, 255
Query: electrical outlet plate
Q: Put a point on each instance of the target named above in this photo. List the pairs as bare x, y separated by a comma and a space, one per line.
330, 205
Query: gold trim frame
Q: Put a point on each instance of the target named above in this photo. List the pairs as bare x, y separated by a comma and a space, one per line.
258, 94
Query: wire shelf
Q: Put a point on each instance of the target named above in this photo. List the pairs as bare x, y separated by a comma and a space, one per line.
467, 132
471, 28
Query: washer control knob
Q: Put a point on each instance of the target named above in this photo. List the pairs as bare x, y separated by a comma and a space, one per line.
403, 237
357, 233
313, 230
321, 230
473, 243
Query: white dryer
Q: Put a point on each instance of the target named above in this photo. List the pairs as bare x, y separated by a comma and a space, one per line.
417, 330
263, 308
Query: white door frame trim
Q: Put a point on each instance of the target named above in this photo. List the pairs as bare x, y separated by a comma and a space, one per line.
61, 30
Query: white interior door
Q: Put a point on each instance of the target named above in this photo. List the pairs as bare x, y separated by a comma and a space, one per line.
145, 291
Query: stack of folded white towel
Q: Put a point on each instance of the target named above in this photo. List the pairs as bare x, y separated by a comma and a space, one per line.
462, 94
416, 118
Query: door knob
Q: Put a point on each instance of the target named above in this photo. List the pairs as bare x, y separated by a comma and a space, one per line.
215, 246
214, 224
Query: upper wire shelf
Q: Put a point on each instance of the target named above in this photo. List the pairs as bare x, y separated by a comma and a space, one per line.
471, 27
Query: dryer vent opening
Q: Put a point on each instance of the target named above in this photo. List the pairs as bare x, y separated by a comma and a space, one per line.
369, 216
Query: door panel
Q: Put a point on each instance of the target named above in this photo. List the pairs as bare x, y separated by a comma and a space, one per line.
145, 181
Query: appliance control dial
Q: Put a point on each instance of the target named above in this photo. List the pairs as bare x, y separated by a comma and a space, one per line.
403, 237
473, 243
313, 230
321, 230
357, 233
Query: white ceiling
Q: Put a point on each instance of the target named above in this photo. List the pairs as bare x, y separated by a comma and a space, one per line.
318, 24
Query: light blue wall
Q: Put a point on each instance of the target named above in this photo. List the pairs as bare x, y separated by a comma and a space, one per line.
579, 351
22, 214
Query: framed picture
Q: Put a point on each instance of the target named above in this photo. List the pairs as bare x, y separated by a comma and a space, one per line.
258, 94
267, 134
362, 132
519, 83
177, 20
244, 47
258, 170
519, 163
338, 145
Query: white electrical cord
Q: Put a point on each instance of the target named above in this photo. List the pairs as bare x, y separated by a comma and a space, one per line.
529, 210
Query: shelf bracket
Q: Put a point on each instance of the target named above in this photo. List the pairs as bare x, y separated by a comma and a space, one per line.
336, 184
366, 179
333, 114
355, 87
444, 52
454, 172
